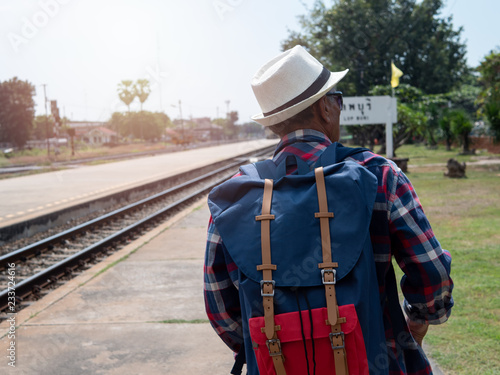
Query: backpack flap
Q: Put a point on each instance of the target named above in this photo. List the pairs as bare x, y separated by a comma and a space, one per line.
295, 232
291, 329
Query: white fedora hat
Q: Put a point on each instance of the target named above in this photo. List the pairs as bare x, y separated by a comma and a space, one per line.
290, 83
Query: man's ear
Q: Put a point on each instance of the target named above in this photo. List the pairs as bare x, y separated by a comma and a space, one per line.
322, 109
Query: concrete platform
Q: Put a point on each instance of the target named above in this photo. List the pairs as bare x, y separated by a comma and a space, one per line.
141, 311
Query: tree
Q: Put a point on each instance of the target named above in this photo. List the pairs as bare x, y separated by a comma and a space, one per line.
489, 98
118, 123
142, 90
492, 112
445, 126
228, 124
465, 97
411, 118
435, 59
126, 92
143, 125
365, 36
252, 130
410, 122
433, 106
461, 126
41, 124
427, 117
432, 109
17, 111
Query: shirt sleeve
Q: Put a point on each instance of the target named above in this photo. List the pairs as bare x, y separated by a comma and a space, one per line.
220, 290
426, 284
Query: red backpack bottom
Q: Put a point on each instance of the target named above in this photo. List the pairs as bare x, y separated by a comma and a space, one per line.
292, 342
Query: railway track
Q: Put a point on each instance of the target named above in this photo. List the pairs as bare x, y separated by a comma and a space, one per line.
47, 263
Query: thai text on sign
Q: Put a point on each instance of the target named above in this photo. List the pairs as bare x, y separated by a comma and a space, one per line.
368, 110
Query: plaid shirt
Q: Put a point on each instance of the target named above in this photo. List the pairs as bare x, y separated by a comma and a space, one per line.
398, 228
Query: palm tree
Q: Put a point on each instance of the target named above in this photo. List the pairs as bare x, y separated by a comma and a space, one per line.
142, 90
461, 126
126, 92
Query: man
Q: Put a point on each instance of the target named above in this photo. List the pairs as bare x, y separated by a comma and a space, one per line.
299, 103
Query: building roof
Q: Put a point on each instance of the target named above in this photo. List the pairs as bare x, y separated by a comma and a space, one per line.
85, 124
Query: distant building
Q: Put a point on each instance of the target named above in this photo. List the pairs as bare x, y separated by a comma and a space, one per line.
99, 136
93, 132
195, 129
205, 130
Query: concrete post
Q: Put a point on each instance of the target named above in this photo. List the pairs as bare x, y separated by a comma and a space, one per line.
389, 146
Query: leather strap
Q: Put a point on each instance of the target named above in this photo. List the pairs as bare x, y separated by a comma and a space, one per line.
328, 274
328, 271
338, 347
279, 365
267, 284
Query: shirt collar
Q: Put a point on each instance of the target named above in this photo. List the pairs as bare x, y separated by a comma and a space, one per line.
301, 135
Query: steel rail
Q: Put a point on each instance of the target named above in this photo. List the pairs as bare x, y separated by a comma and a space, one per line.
46, 243
38, 247
53, 273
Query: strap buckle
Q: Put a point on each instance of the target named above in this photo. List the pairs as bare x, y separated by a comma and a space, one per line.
274, 346
273, 284
334, 272
337, 334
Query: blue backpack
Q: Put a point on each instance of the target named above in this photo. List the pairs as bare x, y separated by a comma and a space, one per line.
307, 282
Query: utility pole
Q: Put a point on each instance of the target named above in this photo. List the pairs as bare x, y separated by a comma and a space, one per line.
46, 120
182, 120
229, 128
227, 111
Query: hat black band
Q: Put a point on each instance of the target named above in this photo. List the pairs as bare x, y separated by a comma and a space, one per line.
310, 91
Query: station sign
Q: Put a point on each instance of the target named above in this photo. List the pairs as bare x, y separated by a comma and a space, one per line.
368, 110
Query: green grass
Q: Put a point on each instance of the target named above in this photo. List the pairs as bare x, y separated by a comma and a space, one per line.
420, 154
465, 216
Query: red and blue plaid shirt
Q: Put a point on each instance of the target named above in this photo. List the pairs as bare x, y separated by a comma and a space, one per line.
399, 229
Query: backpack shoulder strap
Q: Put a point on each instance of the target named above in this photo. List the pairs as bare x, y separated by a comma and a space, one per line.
260, 170
290, 161
250, 170
268, 169
336, 153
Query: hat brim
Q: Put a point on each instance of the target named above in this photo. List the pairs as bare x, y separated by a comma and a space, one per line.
285, 114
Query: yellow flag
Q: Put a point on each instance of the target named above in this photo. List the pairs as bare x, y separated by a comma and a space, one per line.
396, 73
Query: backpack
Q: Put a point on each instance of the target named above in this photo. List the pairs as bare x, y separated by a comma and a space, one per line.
307, 282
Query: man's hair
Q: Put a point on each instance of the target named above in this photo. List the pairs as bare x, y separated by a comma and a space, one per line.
293, 123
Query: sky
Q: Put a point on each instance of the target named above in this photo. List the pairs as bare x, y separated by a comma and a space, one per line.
200, 54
